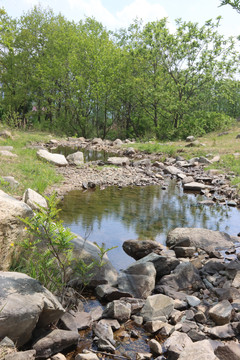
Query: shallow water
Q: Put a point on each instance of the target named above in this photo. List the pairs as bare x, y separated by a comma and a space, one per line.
88, 154
114, 215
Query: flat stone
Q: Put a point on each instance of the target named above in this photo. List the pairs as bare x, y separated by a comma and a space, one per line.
55, 159
118, 161
172, 170
221, 313
110, 293
153, 326
56, 341
194, 186
200, 238
86, 356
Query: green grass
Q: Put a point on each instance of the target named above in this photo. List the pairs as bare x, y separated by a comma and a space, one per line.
150, 148
27, 169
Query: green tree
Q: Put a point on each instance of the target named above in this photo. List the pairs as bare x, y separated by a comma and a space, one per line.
235, 4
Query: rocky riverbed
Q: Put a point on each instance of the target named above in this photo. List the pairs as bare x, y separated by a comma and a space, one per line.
176, 302
133, 168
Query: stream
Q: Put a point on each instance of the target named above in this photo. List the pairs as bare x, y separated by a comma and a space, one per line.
114, 215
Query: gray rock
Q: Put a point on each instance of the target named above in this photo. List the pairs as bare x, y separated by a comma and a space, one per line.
69, 322
184, 252
111, 322
118, 161
34, 199
117, 142
118, 310
200, 317
204, 160
83, 320
195, 186
193, 300
97, 141
103, 331
213, 266
200, 350
163, 264
184, 277
129, 151
88, 251
86, 356
7, 153
155, 347
140, 248
222, 332
58, 356
55, 159
37, 304
11, 228
200, 238
236, 280
11, 181
76, 158
175, 344
187, 180
228, 351
142, 163
190, 138
56, 341
138, 280
110, 293
8, 148
153, 326
157, 306
221, 313
21, 355
172, 170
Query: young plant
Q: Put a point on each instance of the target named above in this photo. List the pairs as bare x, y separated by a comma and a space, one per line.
48, 250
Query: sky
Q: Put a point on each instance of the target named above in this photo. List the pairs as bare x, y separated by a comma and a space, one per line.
114, 14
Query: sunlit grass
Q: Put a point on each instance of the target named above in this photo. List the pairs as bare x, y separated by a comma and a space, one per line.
27, 169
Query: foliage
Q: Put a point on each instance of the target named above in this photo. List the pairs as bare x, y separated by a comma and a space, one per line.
235, 4
81, 79
48, 251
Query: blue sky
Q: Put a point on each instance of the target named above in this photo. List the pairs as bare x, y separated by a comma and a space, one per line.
120, 13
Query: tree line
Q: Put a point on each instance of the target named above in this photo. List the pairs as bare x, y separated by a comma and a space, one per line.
145, 81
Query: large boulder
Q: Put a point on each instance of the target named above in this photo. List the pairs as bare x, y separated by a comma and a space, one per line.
201, 238
138, 280
34, 199
76, 158
86, 250
55, 159
137, 249
25, 304
11, 228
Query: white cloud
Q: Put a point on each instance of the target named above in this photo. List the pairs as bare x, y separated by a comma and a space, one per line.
141, 9
93, 8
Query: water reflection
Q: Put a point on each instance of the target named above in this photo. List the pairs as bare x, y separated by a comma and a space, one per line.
112, 215
89, 154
